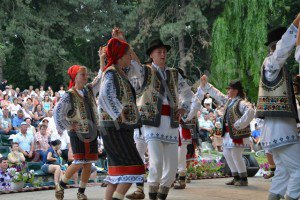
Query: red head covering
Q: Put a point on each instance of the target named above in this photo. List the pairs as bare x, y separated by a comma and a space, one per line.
72, 71
114, 51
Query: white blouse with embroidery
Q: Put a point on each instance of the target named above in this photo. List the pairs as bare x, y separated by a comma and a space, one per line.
64, 106
279, 131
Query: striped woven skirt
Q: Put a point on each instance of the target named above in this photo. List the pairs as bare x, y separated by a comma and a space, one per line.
124, 162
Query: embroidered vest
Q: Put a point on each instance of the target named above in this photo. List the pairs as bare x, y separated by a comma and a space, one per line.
231, 115
78, 112
150, 100
126, 95
276, 98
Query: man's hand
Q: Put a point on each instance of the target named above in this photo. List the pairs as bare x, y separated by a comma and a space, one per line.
297, 20
180, 112
30, 154
118, 33
203, 81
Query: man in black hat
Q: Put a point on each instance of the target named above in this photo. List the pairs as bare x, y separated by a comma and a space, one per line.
276, 105
160, 110
236, 126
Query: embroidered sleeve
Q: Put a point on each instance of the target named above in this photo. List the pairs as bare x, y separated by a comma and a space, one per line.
215, 93
248, 115
185, 93
284, 48
195, 107
297, 54
108, 100
60, 113
136, 71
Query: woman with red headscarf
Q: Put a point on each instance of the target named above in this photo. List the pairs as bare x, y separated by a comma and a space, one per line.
77, 112
118, 118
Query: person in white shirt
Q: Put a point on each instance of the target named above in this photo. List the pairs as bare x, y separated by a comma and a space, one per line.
14, 107
276, 104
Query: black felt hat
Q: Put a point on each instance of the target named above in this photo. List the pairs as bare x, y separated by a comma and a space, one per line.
235, 85
275, 35
157, 43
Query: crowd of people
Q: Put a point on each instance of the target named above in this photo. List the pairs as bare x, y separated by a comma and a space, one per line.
26, 118
151, 108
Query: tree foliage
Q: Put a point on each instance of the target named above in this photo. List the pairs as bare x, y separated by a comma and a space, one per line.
238, 38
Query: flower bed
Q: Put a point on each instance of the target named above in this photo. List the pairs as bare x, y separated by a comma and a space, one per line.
206, 169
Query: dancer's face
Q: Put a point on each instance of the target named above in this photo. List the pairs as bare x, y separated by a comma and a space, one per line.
159, 56
82, 77
232, 93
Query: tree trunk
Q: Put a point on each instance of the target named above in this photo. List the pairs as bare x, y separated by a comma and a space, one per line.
182, 62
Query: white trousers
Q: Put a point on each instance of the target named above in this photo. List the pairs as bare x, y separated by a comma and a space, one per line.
141, 146
234, 159
182, 151
163, 163
287, 173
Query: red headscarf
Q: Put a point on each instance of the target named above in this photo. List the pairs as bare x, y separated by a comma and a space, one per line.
72, 71
114, 51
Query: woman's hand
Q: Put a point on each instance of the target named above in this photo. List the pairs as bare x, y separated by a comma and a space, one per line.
118, 33
203, 81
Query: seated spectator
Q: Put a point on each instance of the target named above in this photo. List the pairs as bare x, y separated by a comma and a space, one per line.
61, 91
5, 178
17, 120
207, 107
209, 101
212, 116
65, 143
51, 124
205, 127
5, 102
15, 157
14, 107
56, 98
42, 141
47, 103
45, 121
30, 129
29, 104
27, 112
219, 114
256, 138
5, 126
217, 137
39, 114
26, 142
53, 162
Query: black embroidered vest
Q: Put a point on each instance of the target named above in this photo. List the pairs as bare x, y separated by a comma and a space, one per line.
231, 115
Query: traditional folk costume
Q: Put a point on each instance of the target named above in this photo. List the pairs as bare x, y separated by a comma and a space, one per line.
276, 104
236, 131
217, 136
157, 102
79, 106
116, 96
140, 143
